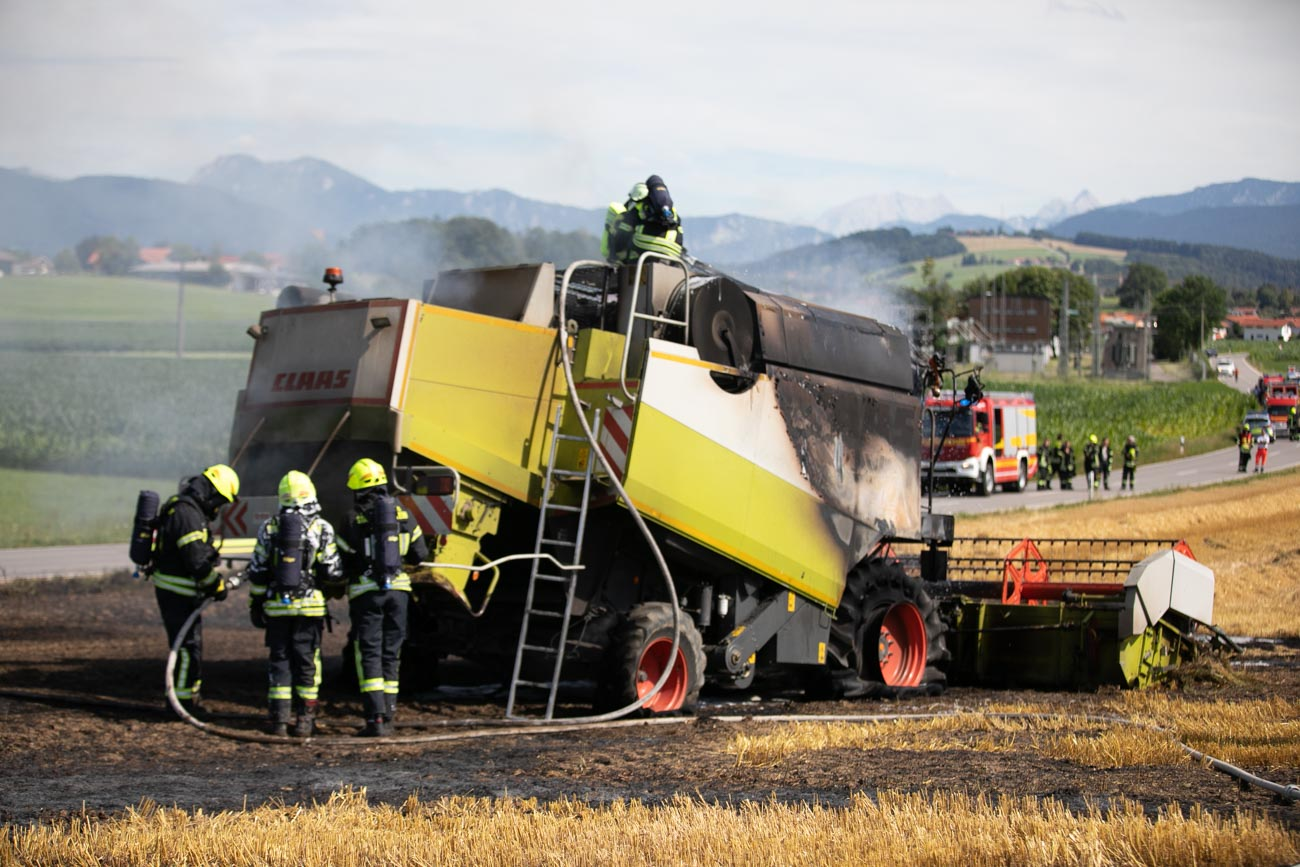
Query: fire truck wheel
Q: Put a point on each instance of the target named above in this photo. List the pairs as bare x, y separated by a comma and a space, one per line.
1021, 482
638, 654
887, 638
987, 482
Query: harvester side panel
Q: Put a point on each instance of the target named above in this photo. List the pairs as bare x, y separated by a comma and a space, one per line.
749, 475
480, 396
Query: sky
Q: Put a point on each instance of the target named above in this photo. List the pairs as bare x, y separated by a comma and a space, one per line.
778, 110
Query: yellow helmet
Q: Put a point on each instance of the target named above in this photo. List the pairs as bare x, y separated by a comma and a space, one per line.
296, 489
1092, 438
366, 473
224, 479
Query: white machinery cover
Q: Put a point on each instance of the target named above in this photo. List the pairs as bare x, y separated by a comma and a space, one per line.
1167, 581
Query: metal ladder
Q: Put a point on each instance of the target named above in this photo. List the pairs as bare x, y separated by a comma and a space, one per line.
543, 575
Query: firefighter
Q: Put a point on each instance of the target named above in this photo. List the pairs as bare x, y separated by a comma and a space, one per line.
1293, 424
1090, 463
379, 537
1057, 457
295, 557
647, 221
1045, 453
1129, 454
1103, 462
1261, 450
1067, 467
1244, 442
185, 569
620, 226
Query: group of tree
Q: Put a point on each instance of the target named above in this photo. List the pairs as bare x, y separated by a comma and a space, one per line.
402, 255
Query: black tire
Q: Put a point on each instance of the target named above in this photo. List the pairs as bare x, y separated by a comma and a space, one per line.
872, 589
987, 482
1021, 482
651, 624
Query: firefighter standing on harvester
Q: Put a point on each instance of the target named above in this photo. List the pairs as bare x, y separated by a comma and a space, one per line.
294, 558
647, 221
378, 538
184, 569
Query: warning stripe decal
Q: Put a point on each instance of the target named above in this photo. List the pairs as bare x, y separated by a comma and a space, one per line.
433, 514
615, 433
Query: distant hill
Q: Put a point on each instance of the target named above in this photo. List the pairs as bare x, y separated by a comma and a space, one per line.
46, 216
240, 204
1250, 214
1228, 266
837, 272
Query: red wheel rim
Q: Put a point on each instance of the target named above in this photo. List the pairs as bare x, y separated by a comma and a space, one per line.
654, 659
903, 646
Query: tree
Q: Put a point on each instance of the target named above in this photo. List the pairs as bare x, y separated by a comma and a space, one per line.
66, 262
1141, 285
1184, 311
935, 303
105, 254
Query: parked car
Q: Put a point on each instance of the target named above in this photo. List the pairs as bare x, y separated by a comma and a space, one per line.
1257, 422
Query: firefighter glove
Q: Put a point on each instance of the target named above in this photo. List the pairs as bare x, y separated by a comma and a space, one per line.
256, 614
218, 589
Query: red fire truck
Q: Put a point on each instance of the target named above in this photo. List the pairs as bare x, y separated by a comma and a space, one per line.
993, 441
1280, 395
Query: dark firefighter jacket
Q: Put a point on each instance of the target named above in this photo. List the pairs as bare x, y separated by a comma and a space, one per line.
352, 543
186, 556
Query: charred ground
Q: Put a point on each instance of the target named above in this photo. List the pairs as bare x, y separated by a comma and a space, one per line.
102, 638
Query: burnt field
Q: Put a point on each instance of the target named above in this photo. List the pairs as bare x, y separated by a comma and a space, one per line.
89, 733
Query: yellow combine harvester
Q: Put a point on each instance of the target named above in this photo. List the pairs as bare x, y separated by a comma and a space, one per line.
532, 419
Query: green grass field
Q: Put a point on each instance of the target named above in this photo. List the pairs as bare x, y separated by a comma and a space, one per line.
103, 314
96, 400
63, 508
1157, 414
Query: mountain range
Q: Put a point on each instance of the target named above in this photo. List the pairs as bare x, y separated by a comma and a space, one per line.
243, 204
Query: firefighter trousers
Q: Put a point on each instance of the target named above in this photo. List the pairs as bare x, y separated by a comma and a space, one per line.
378, 630
294, 669
175, 610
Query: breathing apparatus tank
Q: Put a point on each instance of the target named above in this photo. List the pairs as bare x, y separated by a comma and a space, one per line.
289, 543
144, 530
383, 545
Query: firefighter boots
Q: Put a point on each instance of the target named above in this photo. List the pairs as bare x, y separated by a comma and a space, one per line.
390, 706
305, 725
378, 727
278, 718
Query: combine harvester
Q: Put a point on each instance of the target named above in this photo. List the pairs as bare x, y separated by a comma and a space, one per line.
654, 478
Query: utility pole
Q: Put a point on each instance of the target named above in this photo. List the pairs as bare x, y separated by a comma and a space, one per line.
1096, 330
1063, 354
180, 310
1201, 347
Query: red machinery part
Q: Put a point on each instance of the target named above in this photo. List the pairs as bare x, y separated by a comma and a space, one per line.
903, 645
1024, 564
654, 659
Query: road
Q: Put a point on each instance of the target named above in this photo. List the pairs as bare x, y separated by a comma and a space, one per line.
1206, 469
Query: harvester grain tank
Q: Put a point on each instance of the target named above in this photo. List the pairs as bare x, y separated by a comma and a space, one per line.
532, 419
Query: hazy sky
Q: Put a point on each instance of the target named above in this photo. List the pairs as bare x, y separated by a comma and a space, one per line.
774, 109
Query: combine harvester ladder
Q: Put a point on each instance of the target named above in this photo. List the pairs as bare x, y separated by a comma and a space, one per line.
568, 551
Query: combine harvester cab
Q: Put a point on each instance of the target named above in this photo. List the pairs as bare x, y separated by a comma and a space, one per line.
991, 442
